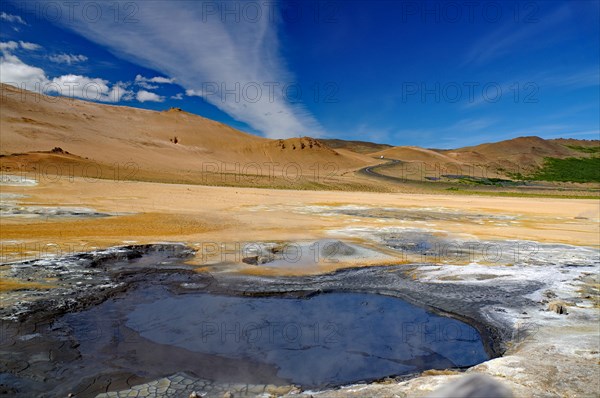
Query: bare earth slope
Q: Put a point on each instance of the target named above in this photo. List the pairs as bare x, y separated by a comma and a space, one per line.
110, 135
104, 141
356, 146
520, 154
524, 152
414, 154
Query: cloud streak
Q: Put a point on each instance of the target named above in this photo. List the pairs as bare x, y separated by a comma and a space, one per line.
200, 52
12, 18
503, 41
157, 79
68, 59
144, 82
30, 46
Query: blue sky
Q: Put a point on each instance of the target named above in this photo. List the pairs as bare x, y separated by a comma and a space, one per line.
433, 74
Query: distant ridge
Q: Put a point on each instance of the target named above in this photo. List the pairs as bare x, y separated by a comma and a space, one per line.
355, 146
522, 153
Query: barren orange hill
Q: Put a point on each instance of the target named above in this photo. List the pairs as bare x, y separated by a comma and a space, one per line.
355, 146
525, 152
514, 155
413, 154
163, 146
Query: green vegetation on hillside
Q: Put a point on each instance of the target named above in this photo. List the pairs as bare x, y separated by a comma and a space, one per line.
566, 170
513, 194
500, 182
585, 149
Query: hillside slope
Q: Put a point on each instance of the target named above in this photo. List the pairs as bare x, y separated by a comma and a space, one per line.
498, 159
364, 147
165, 143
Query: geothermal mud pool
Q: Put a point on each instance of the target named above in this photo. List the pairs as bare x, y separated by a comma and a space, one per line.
142, 315
133, 318
324, 340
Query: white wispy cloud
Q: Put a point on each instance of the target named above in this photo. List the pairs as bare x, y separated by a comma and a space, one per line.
529, 89
466, 131
12, 18
29, 46
469, 125
488, 130
15, 72
8, 45
157, 79
588, 77
68, 59
178, 96
13, 45
516, 36
182, 43
147, 96
145, 82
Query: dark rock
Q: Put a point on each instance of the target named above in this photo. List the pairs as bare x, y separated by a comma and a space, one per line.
252, 260
257, 260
